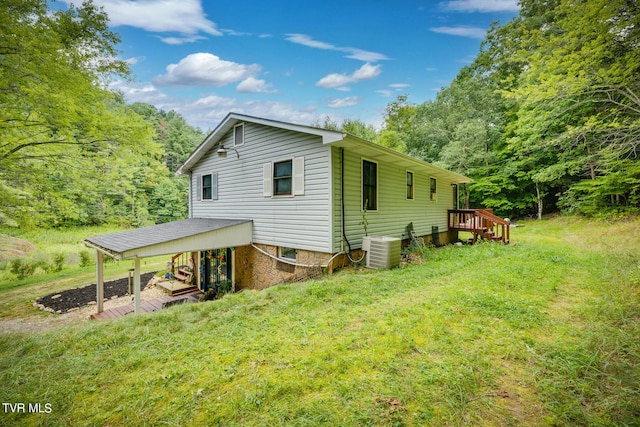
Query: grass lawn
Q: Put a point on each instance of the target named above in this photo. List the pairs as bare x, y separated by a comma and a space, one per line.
544, 332
17, 295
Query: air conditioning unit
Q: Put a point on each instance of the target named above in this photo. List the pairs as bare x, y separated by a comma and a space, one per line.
381, 251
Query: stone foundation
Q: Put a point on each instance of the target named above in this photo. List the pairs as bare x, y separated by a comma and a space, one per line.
256, 270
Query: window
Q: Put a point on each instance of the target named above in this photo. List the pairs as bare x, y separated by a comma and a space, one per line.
283, 178
433, 185
287, 253
207, 187
369, 185
238, 135
409, 185
454, 187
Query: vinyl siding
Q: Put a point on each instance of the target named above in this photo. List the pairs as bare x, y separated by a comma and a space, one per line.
302, 221
394, 211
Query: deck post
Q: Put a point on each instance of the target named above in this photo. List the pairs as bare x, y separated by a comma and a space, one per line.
99, 282
136, 285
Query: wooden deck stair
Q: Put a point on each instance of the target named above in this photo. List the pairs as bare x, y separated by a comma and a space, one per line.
184, 271
482, 223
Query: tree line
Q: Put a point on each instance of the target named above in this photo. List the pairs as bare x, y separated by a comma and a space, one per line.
73, 152
546, 118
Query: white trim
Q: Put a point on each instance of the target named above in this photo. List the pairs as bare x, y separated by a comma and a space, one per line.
273, 172
202, 198
362, 160
433, 197
136, 285
232, 119
241, 125
281, 255
413, 185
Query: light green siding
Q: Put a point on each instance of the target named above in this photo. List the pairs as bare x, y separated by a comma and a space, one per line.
394, 211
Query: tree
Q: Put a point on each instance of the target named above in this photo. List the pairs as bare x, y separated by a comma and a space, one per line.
61, 131
579, 102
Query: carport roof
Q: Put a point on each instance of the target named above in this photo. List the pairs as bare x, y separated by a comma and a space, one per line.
193, 234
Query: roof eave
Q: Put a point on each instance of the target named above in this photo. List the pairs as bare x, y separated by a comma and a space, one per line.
351, 139
328, 136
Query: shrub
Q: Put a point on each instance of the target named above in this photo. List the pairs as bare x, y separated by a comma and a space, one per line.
23, 268
85, 258
58, 261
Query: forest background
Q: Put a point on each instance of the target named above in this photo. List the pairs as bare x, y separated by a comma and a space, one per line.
546, 119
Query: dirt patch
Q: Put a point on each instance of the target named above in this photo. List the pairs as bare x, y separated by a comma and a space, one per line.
50, 320
12, 247
73, 299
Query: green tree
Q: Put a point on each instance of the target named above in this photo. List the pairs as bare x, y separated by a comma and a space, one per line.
61, 132
579, 103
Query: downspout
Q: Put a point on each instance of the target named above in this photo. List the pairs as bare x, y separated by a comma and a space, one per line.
344, 231
342, 218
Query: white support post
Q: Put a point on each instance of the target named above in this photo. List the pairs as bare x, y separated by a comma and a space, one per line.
136, 285
99, 282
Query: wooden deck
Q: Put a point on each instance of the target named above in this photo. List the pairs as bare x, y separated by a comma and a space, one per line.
147, 306
481, 222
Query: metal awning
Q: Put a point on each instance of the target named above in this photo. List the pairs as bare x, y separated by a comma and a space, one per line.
189, 235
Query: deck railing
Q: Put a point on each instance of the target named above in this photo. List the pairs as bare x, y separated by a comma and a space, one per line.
480, 222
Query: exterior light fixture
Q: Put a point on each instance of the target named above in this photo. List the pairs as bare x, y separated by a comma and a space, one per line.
222, 152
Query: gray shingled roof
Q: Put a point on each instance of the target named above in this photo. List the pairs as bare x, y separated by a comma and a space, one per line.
123, 241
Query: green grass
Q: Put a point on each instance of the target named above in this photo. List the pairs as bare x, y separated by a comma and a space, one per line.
546, 332
17, 295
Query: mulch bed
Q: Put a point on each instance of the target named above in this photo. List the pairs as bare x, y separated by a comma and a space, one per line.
62, 302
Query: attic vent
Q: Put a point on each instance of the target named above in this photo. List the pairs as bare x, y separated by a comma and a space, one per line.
382, 252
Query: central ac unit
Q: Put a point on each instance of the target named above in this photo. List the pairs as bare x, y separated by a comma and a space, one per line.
381, 251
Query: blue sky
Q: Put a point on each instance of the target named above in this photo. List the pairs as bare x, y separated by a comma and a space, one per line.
295, 61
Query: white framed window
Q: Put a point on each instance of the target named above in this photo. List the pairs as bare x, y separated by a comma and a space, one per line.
433, 189
409, 185
369, 185
207, 186
238, 135
289, 254
283, 178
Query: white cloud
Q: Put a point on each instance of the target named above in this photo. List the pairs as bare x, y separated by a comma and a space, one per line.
353, 52
349, 101
136, 92
399, 86
185, 17
462, 31
340, 81
385, 92
487, 6
181, 40
205, 69
134, 60
305, 40
208, 111
253, 85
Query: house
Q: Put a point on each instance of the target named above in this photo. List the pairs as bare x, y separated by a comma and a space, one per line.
271, 201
